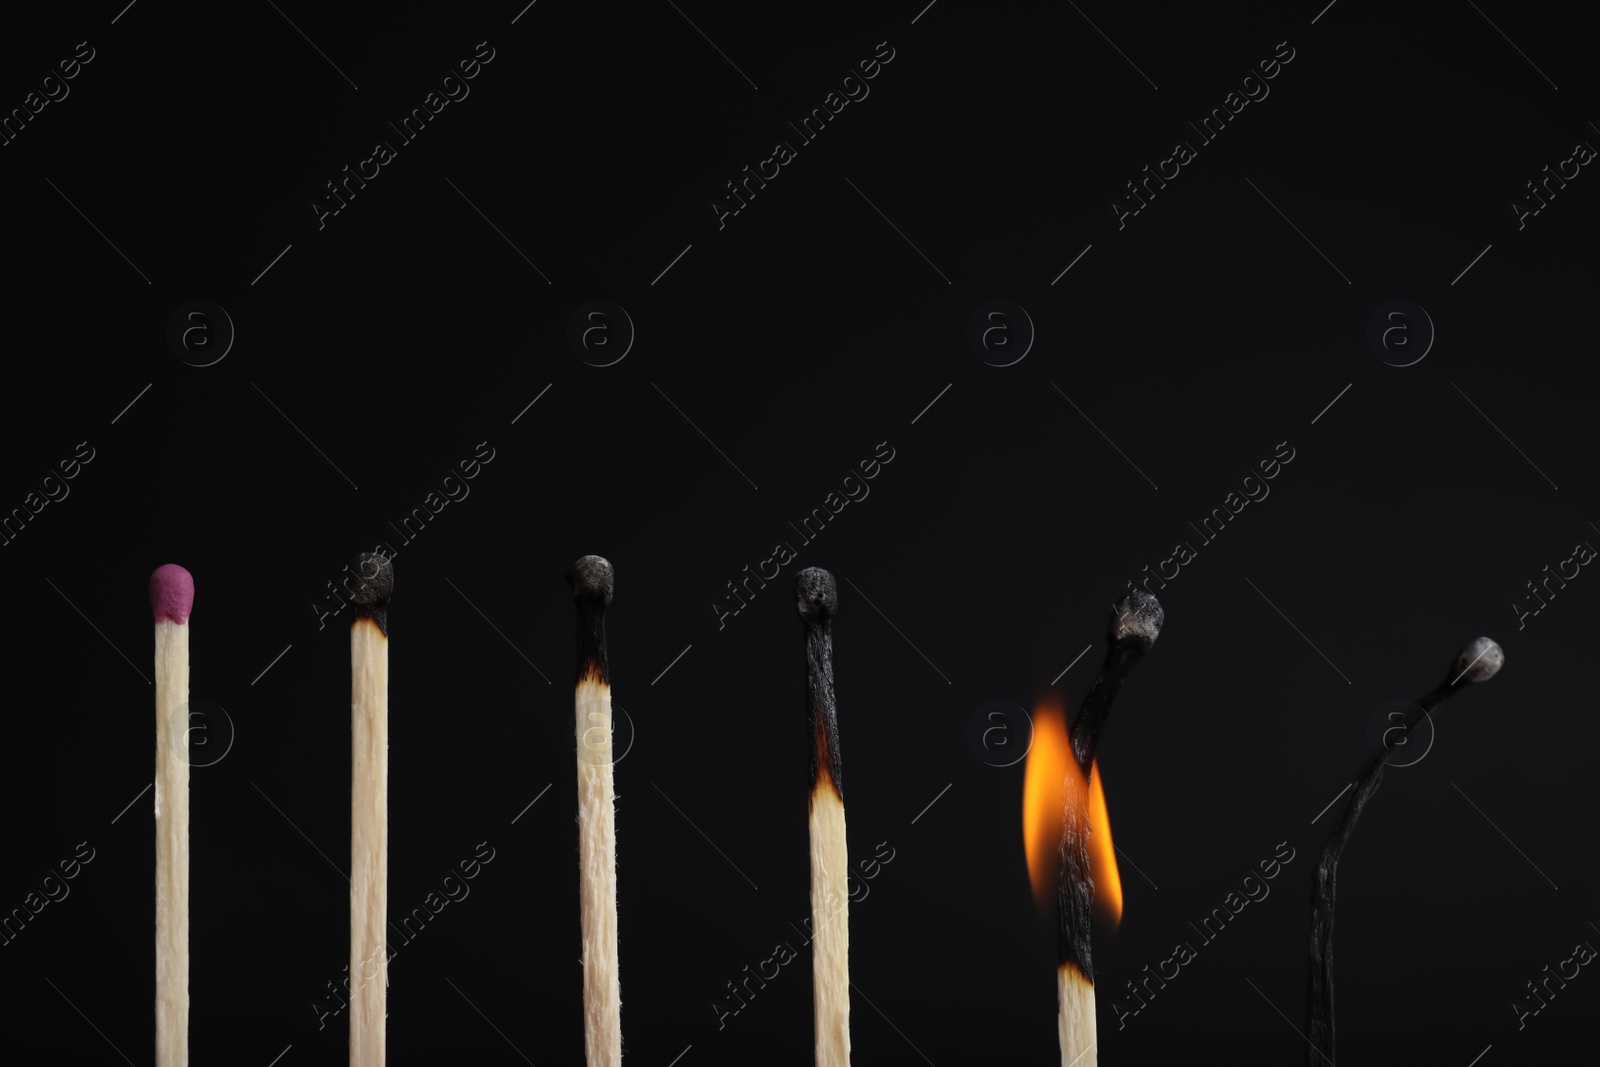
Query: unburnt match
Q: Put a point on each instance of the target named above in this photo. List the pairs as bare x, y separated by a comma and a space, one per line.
592, 581
171, 599
1478, 662
817, 598
369, 808
1133, 628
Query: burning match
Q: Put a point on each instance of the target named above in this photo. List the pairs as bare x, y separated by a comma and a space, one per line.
817, 598
369, 809
1133, 628
171, 599
1478, 662
592, 578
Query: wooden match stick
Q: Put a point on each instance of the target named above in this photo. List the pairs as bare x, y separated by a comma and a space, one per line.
369, 808
817, 599
1478, 662
592, 580
1133, 628
171, 599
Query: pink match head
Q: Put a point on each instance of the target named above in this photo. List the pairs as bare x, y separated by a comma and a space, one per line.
171, 593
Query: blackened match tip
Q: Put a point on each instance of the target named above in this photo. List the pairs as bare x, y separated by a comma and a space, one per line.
1137, 617
592, 579
171, 593
376, 576
816, 595
1479, 661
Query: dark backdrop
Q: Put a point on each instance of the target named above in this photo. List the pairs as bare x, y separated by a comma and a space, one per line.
813, 330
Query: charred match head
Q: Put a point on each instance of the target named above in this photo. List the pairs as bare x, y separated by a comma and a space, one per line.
171, 593
1131, 631
592, 579
1478, 662
372, 592
816, 598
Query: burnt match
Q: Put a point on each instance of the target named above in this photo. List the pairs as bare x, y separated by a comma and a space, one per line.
816, 598
369, 809
1134, 625
1478, 662
592, 580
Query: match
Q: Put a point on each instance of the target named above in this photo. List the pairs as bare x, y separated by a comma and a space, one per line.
592, 579
817, 599
1134, 625
171, 599
369, 808
1478, 662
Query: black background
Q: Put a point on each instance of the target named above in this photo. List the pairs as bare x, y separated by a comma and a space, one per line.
798, 338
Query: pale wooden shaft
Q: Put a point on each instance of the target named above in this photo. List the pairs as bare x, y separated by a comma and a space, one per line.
172, 844
597, 876
830, 923
1076, 1022
369, 841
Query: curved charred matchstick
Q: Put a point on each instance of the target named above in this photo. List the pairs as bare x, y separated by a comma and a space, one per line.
369, 809
171, 599
1133, 628
817, 598
1478, 662
592, 581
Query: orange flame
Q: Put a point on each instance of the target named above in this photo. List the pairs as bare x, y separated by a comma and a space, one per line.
1051, 780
